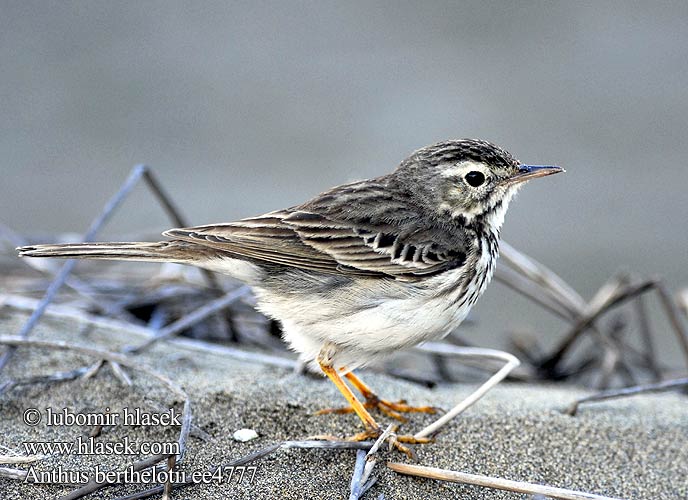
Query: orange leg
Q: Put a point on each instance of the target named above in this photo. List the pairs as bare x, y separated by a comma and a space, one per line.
372, 429
388, 408
355, 404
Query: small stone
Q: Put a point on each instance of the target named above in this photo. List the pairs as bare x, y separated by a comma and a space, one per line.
244, 435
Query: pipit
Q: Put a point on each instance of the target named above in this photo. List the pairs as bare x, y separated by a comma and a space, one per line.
364, 269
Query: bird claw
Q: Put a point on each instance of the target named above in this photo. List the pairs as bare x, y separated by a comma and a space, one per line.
395, 441
388, 408
400, 407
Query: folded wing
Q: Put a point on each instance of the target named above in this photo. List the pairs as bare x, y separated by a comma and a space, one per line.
358, 229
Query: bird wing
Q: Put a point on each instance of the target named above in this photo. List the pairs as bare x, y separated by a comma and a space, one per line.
359, 229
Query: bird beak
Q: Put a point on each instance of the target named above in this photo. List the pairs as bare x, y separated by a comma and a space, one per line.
528, 172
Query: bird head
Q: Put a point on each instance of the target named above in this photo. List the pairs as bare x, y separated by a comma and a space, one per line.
467, 178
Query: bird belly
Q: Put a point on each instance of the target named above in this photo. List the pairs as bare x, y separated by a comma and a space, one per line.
366, 322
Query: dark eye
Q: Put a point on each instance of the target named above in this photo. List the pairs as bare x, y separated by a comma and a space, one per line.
475, 178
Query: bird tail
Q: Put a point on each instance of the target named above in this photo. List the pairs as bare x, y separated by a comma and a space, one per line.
162, 251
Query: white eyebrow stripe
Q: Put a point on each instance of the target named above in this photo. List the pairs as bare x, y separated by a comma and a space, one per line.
465, 166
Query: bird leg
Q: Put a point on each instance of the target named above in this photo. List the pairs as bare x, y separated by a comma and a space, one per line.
372, 429
355, 404
388, 408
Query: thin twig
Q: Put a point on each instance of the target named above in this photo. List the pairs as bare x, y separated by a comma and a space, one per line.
10, 473
55, 377
612, 354
120, 374
110, 356
19, 459
92, 486
167, 487
646, 335
674, 318
263, 452
193, 317
59, 280
357, 478
60, 311
628, 391
371, 459
510, 361
539, 273
492, 482
519, 283
535, 291
682, 300
92, 371
587, 320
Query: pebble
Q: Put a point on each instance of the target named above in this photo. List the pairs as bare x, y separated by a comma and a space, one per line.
244, 435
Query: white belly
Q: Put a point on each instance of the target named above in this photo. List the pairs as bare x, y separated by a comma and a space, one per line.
369, 324
367, 318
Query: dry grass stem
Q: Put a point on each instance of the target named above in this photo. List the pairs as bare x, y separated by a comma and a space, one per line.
60, 311
674, 317
682, 300
492, 482
19, 459
194, 317
650, 356
257, 455
628, 391
15, 474
120, 374
540, 274
621, 294
167, 487
533, 291
371, 460
92, 486
510, 361
357, 477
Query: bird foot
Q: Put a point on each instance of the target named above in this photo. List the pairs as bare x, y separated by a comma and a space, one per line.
392, 410
395, 440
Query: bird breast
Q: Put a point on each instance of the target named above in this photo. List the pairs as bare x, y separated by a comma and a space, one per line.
369, 317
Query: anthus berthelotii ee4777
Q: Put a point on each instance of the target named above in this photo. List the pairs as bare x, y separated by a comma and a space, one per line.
366, 268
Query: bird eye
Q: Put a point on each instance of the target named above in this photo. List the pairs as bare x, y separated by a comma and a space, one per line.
475, 178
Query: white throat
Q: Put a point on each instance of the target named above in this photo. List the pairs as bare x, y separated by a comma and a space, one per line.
496, 217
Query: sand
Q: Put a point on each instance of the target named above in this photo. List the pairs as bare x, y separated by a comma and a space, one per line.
631, 448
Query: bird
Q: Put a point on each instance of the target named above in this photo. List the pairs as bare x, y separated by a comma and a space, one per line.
363, 269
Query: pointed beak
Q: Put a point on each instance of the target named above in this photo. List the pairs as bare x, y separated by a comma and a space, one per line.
528, 172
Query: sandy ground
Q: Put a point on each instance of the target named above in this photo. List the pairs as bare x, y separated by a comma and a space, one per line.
634, 448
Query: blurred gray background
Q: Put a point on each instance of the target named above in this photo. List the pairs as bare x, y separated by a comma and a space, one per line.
244, 107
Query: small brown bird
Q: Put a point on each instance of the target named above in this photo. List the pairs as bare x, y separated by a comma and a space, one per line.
366, 268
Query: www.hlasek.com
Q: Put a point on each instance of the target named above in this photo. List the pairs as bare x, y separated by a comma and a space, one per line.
92, 446
240, 474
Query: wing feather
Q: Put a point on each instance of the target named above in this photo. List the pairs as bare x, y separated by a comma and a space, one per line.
352, 229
